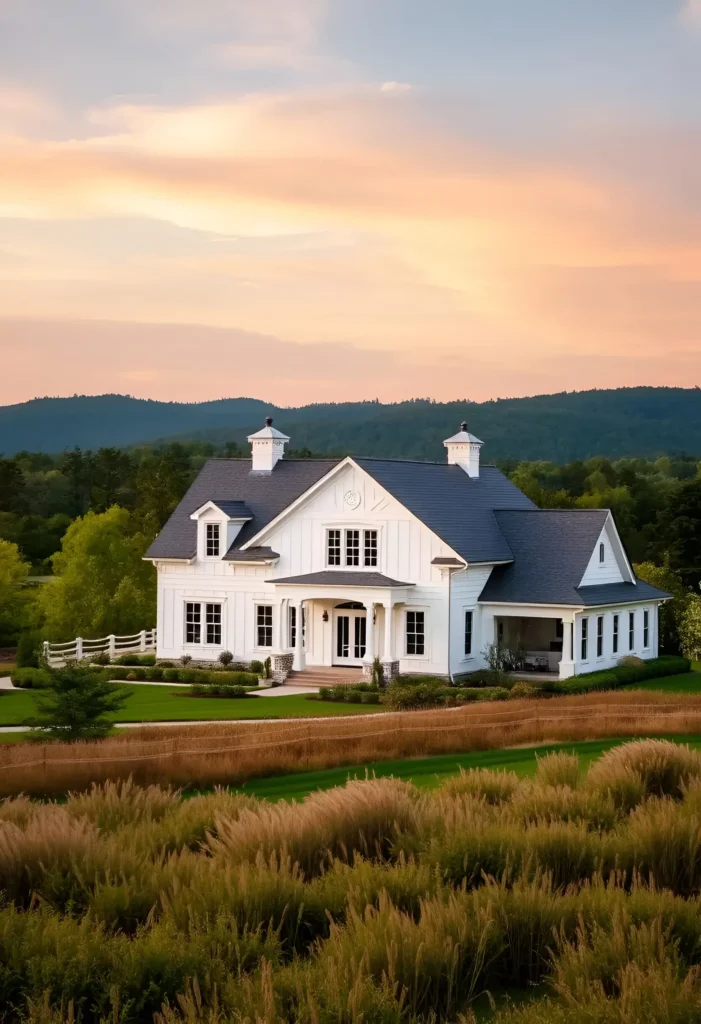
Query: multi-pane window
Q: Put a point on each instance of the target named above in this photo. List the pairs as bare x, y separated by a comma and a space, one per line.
615, 634
333, 547
264, 625
585, 638
212, 540
600, 636
352, 547
646, 629
631, 630
347, 547
293, 625
415, 633
193, 623
468, 633
213, 623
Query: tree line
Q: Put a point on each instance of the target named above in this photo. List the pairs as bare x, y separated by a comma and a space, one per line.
86, 519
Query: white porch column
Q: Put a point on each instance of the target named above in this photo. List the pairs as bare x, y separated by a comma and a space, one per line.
281, 641
567, 660
369, 633
299, 663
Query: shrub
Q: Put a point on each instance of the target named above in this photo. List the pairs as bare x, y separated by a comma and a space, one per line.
218, 690
482, 677
186, 660
523, 691
136, 659
102, 658
171, 675
369, 698
156, 674
28, 651
188, 675
268, 668
496, 787
402, 697
166, 664
609, 679
225, 658
257, 667
558, 769
664, 768
76, 705
31, 678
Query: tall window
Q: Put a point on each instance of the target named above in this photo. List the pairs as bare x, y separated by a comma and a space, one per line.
212, 540
646, 629
333, 547
370, 547
631, 630
585, 638
292, 612
415, 633
264, 625
600, 636
468, 633
213, 623
615, 634
352, 547
193, 623
602, 554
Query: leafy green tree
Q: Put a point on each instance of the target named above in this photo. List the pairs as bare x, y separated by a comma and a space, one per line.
11, 487
14, 600
161, 482
672, 612
101, 584
77, 705
681, 526
111, 468
690, 628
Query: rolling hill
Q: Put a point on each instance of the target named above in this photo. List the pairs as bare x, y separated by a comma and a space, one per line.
644, 421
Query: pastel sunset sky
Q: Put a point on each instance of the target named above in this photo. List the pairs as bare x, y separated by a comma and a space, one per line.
309, 200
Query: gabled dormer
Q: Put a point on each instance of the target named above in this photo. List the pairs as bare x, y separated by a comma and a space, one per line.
218, 525
608, 562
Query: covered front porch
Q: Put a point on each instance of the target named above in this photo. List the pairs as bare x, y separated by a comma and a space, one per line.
541, 643
344, 623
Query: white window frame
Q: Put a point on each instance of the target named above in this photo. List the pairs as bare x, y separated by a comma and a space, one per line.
203, 625
616, 619
631, 631
367, 533
407, 613
337, 547
584, 639
256, 625
602, 553
599, 637
196, 623
351, 547
646, 629
214, 527
341, 547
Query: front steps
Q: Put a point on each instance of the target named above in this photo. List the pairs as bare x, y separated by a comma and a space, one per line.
322, 675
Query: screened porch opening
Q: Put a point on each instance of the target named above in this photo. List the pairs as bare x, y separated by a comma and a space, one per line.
535, 642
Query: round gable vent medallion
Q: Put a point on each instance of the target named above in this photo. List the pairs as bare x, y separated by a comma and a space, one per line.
352, 499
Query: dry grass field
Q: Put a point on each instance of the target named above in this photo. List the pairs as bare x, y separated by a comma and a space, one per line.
571, 897
232, 753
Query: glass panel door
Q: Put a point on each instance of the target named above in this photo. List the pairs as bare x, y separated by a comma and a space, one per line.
343, 636
360, 636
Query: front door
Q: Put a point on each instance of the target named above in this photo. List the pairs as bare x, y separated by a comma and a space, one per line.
349, 637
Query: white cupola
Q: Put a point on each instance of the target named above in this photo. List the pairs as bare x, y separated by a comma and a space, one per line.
267, 447
464, 451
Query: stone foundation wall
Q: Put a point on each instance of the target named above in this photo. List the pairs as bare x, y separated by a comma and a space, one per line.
282, 666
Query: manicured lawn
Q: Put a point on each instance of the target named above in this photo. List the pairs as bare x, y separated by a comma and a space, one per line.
159, 704
429, 772
688, 682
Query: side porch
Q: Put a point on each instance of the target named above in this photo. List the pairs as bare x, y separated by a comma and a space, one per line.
539, 640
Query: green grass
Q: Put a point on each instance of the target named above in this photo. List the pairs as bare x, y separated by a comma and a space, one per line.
688, 683
159, 704
428, 772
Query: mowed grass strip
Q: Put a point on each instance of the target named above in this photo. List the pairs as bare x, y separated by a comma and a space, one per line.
430, 772
159, 704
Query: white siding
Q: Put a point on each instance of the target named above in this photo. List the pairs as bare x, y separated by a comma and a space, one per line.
466, 588
609, 658
614, 568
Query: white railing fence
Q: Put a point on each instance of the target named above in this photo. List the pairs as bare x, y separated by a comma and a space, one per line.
56, 655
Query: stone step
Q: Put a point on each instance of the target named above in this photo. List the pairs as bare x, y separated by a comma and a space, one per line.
325, 677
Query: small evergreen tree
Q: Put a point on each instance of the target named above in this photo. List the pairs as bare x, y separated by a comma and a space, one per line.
76, 705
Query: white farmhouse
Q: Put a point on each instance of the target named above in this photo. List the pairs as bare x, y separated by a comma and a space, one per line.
325, 563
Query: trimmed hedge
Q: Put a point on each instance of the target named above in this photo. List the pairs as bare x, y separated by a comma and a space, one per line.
30, 678
136, 659
611, 678
124, 673
219, 690
351, 693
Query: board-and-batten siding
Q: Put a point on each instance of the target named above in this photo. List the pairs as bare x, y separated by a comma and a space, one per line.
613, 569
466, 587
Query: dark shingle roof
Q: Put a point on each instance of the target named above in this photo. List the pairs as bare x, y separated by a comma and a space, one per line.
620, 593
552, 549
456, 507
234, 509
266, 495
261, 554
334, 578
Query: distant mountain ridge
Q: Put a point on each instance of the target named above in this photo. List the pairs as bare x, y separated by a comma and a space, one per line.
644, 421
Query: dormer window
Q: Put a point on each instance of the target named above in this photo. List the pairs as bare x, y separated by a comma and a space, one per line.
212, 540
